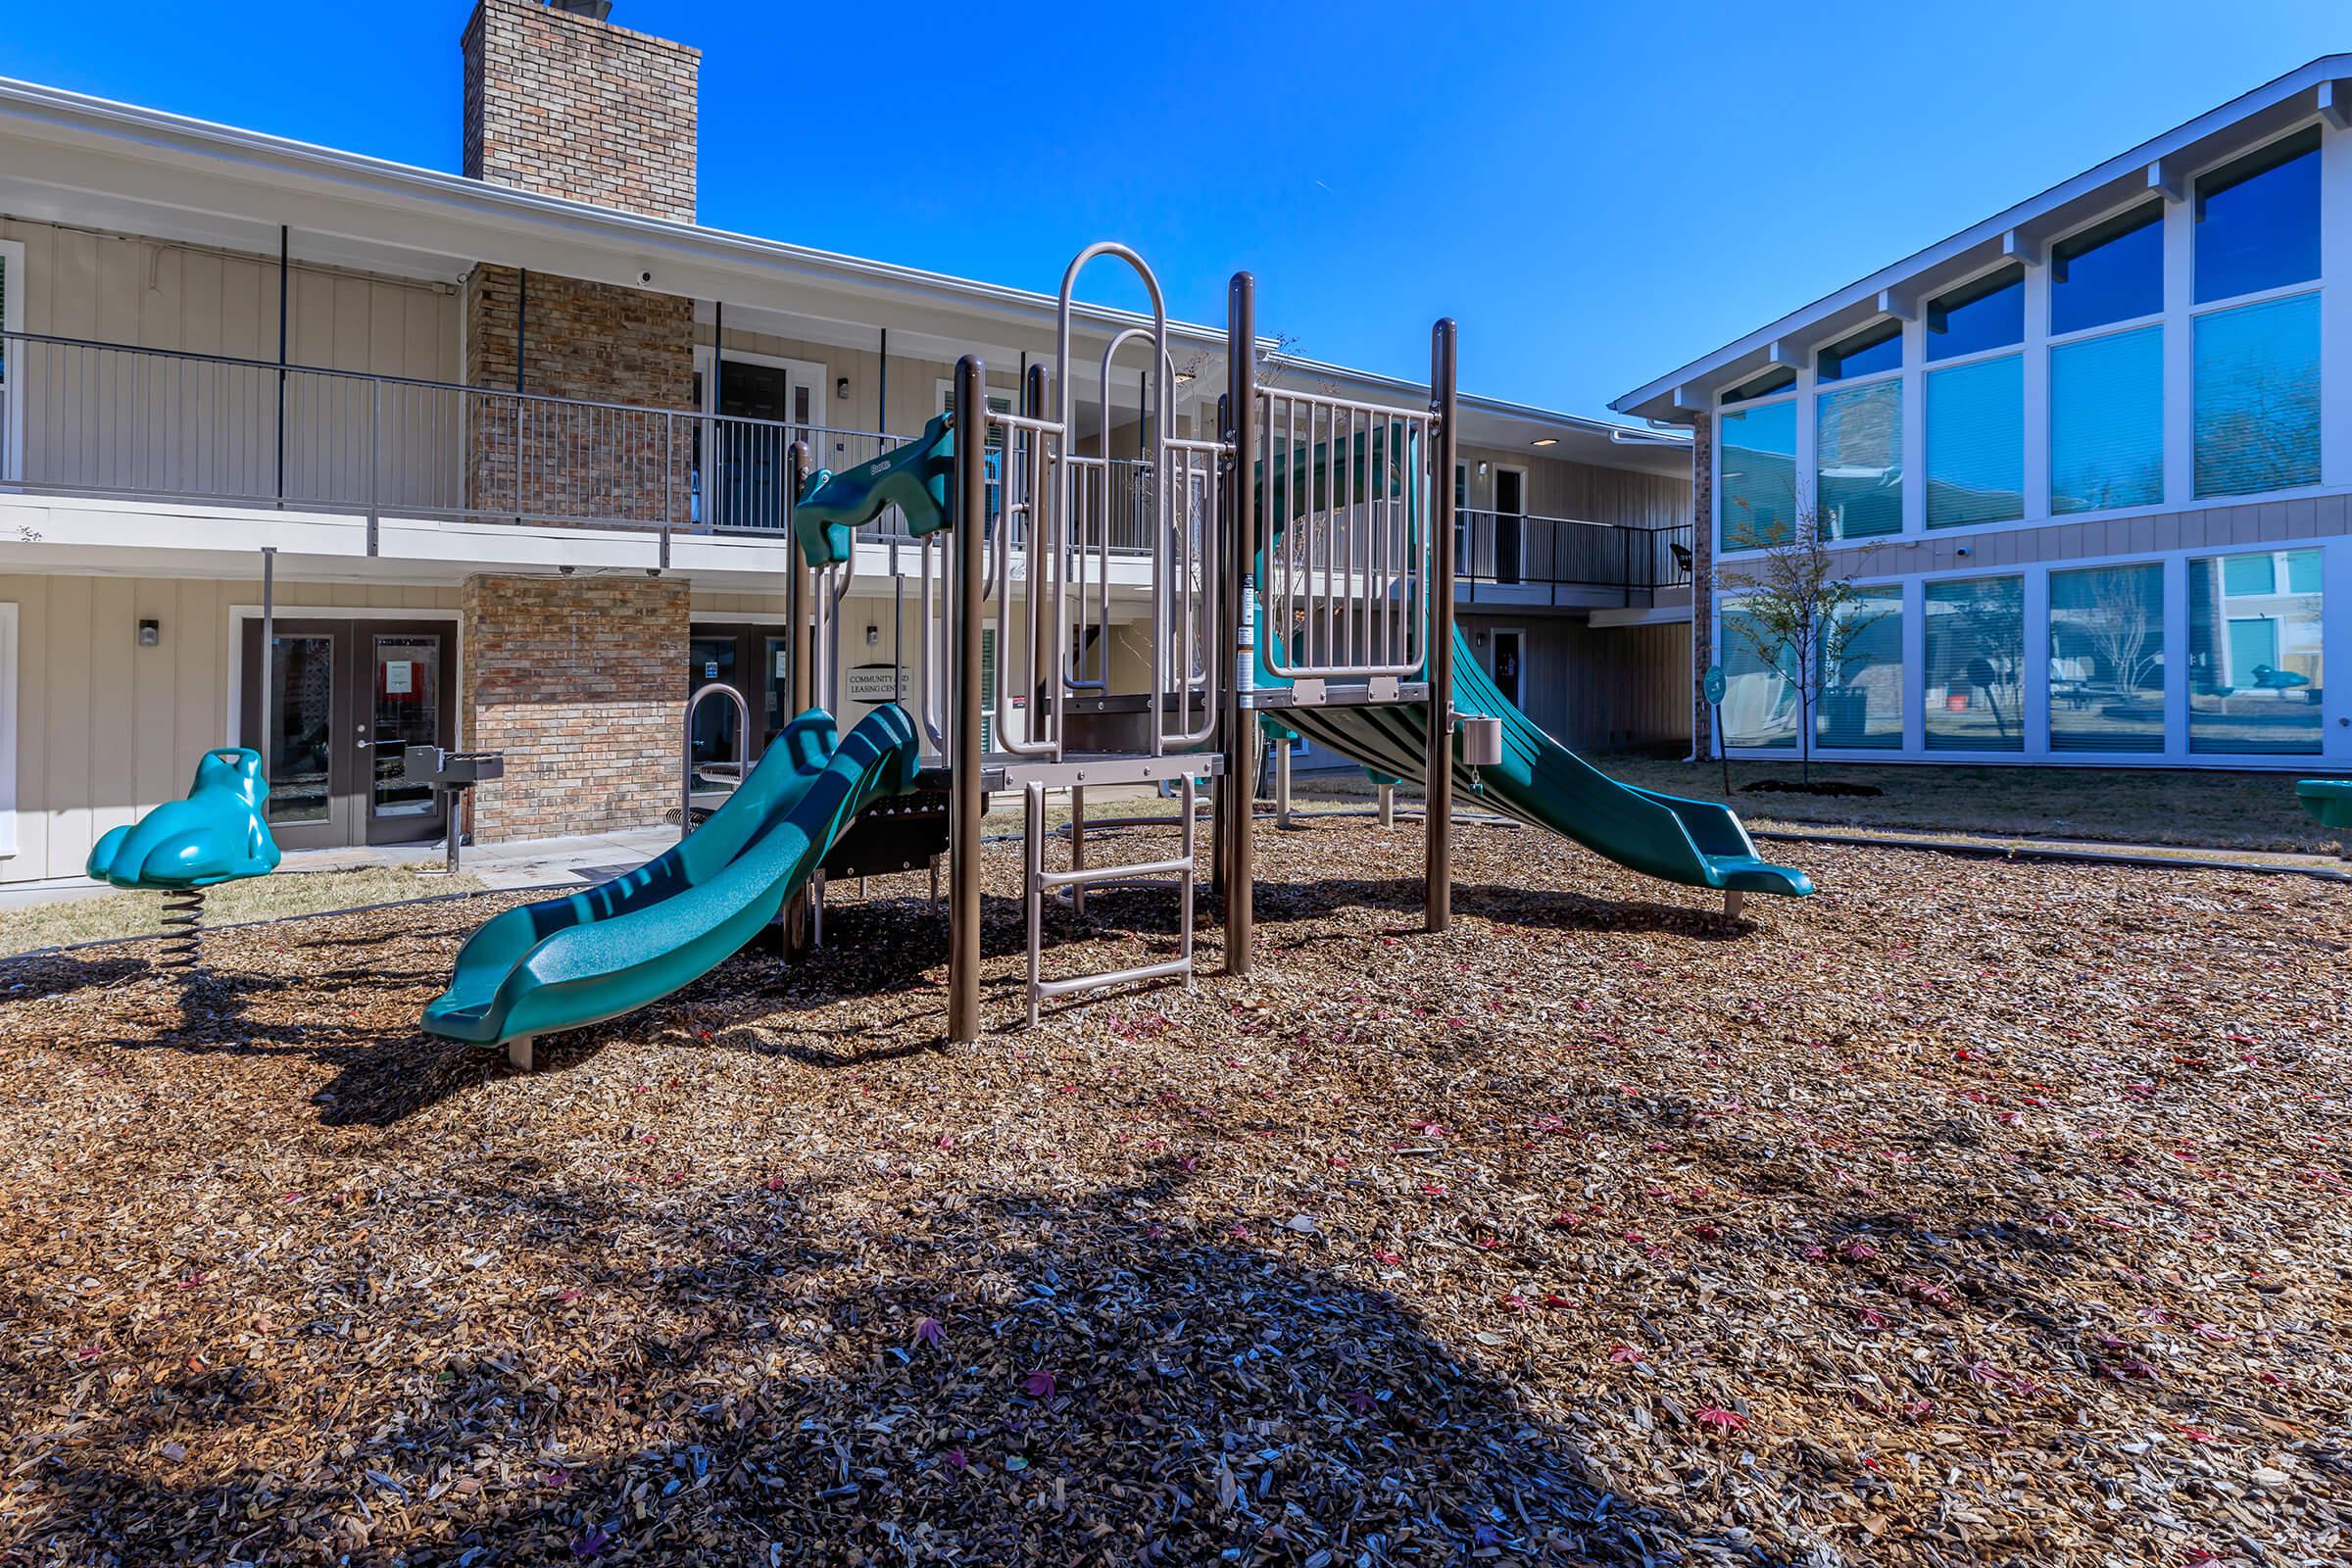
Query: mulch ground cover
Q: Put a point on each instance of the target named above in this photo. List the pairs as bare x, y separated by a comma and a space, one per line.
1968, 1213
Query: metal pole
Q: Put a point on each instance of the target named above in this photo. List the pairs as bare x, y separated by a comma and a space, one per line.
964, 827
268, 653
1239, 655
1438, 894
282, 252
799, 593
1281, 783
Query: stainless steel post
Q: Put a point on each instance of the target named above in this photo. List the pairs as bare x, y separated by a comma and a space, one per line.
1437, 814
800, 597
1282, 784
268, 654
1077, 846
964, 827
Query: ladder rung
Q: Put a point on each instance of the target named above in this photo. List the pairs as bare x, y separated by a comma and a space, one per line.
1113, 977
1180, 867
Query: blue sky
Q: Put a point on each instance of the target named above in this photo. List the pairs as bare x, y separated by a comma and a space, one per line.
1597, 193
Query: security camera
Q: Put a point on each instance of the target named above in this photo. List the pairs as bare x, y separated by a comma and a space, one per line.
645, 278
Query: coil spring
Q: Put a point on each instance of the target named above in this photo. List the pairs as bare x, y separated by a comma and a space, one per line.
183, 922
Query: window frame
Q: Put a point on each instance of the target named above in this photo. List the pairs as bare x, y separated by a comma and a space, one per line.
12, 708
2189, 186
1796, 396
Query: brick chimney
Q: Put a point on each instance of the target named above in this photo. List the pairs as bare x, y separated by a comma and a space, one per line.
564, 104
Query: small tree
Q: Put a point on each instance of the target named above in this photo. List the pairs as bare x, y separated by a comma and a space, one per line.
1797, 612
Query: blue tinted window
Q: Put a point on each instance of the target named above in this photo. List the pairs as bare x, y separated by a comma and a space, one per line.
2111, 271
1988, 314
1859, 432
2107, 422
2257, 397
1756, 475
1873, 348
1976, 442
2258, 219
2255, 655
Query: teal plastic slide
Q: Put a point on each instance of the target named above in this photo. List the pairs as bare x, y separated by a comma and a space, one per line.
1538, 781
578, 959
2329, 801
217, 834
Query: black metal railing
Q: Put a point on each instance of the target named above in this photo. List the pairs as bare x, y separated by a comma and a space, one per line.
1502, 549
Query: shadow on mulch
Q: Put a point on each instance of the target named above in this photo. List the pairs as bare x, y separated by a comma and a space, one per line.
51, 975
1008, 1377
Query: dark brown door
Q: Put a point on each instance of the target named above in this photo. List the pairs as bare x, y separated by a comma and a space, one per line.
350, 698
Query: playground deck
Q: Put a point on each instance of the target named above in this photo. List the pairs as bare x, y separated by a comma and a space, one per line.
1963, 1210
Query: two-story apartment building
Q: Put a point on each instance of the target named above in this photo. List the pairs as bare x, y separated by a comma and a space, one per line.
2089, 463
511, 445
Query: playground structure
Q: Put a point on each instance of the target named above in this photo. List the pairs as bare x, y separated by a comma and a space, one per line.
219, 833
1299, 580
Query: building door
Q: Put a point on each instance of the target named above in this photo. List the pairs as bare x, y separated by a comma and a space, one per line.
1510, 505
757, 661
349, 699
1509, 649
773, 402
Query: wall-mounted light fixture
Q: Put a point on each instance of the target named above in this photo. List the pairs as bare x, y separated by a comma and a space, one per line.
151, 633
1478, 639
1482, 471
840, 387
873, 635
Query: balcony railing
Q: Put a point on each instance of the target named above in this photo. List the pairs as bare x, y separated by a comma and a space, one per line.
1520, 549
112, 419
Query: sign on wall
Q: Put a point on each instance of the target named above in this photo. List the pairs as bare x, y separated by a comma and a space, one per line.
875, 683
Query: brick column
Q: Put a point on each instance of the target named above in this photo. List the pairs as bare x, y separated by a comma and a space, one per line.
581, 681
1702, 579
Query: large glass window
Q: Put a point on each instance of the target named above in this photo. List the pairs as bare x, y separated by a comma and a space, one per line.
2107, 660
2254, 655
1975, 643
1987, 313
2107, 422
2258, 219
1755, 478
2257, 397
1976, 442
1876, 348
1860, 430
2110, 271
1861, 699
1759, 695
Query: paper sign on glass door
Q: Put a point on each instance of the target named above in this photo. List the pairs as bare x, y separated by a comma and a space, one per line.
399, 676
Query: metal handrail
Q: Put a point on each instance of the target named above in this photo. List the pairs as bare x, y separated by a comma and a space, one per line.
1572, 551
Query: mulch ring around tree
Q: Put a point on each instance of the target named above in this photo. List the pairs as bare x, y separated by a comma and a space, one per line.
1967, 1211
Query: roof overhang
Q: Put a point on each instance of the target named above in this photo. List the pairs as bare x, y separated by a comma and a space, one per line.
2021, 232
85, 161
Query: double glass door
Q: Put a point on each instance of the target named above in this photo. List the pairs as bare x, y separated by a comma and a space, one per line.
757, 661
349, 698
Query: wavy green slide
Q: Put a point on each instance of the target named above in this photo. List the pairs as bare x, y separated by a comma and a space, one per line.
587, 956
1539, 782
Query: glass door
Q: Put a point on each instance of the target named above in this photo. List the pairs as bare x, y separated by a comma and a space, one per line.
408, 701
307, 752
753, 461
1508, 646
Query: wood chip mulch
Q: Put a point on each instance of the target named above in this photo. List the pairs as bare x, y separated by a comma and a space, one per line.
1968, 1213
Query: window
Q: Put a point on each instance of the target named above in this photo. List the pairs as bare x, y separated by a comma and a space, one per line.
1780, 379
1872, 350
2110, 271
2258, 219
8, 729
2254, 665
1987, 313
1759, 697
1975, 643
2107, 423
1976, 442
1755, 481
2107, 660
1860, 432
2257, 397
1860, 702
